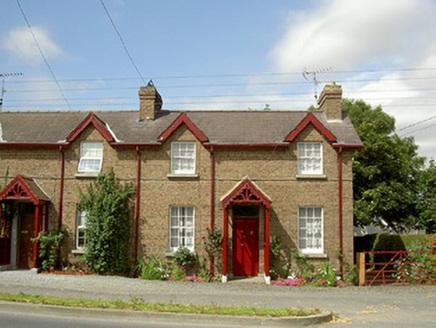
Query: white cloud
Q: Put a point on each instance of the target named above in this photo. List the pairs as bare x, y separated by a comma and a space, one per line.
345, 34
20, 44
371, 34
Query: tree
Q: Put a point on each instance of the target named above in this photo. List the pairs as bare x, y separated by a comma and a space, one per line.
385, 172
107, 227
427, 201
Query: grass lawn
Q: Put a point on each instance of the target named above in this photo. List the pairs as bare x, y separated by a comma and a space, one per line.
137, 304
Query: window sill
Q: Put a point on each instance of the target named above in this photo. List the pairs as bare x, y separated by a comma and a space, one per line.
78, 251
311, 176
87, 174
314, 256
182, 176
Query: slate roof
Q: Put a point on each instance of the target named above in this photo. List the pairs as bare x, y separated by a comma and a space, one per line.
220, 127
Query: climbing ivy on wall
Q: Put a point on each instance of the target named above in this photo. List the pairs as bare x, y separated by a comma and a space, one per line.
106, 202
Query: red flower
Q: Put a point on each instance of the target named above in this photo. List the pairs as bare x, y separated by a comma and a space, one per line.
207, 229
203, 237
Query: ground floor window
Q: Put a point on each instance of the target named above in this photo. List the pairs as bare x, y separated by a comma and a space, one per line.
181, 227
81, 229
310, 230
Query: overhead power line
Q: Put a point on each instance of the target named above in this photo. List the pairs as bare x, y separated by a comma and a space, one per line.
417, 123
202, 76
122, 41
42, 54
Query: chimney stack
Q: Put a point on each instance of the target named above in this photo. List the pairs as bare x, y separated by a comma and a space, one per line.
330, 101
150, 102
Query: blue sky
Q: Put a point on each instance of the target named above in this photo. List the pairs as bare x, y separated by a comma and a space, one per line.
224, 55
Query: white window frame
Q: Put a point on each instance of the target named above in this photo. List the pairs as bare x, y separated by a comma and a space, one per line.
311, 230
183, 157
97, 155
81, 227
308, 162
179, 227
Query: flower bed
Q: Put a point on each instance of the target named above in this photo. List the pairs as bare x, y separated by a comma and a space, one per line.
307, 282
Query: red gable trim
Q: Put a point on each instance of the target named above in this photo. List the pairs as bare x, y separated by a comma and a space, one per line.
183, 118
247, 193
94, 120
310, 118
19, 190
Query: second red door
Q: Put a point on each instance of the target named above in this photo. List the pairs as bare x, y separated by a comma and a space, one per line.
246, 246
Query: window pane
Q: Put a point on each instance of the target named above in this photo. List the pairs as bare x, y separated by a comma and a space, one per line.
183, 157
81, 229
309, 158
181, 227
310, 230
91, 155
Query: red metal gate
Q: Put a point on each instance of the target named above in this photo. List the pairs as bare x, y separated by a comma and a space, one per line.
400, 266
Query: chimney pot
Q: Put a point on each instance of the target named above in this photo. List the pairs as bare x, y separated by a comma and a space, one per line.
150, 102
330, 101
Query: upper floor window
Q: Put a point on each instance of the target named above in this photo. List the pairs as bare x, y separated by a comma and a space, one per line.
309, 158
91, 156
310, 230
181, 227
183, 158
81, 229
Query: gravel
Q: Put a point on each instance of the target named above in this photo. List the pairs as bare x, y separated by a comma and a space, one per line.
376, 306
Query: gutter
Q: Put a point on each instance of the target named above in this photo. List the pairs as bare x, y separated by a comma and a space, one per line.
341, 249
138, 178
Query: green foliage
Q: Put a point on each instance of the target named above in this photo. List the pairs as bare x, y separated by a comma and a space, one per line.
385, 172
6, 210
152, 269
213, 241
184, 258
387, 242
304, 266
427, 201
326, 277
107, 228
49, 244
274, 256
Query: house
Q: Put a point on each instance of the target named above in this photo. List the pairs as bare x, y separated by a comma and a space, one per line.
252, 174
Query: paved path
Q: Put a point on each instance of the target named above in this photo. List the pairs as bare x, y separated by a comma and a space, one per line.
392, 306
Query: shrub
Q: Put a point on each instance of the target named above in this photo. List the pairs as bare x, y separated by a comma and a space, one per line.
184, 258
107, 227
49, 244
213, 241
152, 269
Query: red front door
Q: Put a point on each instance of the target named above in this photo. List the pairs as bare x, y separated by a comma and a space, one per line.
246, 246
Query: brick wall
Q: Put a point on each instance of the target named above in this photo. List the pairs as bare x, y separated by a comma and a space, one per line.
273, 170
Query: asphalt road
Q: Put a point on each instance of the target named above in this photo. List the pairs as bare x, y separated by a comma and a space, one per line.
25, 320
393, 306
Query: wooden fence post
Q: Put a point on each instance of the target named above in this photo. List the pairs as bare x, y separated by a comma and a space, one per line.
361, 268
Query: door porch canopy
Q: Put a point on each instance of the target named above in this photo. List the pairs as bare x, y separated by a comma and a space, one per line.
26, 189
246, 192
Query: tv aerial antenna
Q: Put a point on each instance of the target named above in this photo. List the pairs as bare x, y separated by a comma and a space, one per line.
4, 77
305, 73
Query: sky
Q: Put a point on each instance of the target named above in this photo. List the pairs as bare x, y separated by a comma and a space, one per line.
94, 55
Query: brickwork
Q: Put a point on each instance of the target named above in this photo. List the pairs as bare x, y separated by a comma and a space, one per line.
275, 171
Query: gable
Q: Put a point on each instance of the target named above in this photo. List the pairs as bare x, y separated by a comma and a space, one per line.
98, 124
246, 192
24, 188
182, 119
310, 119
